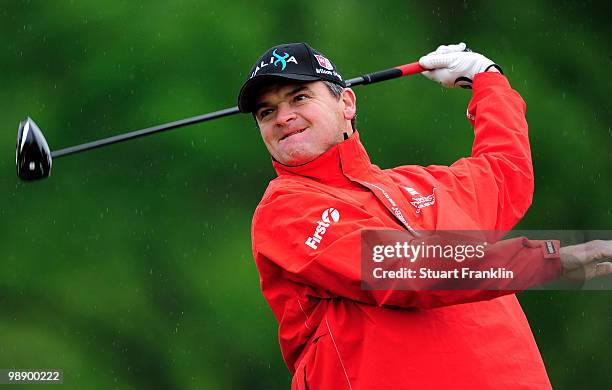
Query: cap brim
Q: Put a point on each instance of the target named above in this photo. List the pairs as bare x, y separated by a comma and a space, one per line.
246, 95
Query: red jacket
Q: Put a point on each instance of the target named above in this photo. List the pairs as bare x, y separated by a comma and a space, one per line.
306, 240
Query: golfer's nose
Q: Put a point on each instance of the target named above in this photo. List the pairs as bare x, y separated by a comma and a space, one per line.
285, 113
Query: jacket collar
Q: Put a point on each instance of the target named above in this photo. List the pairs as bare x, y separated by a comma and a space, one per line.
348, 158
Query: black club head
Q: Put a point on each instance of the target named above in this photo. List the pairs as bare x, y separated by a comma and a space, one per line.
33, 157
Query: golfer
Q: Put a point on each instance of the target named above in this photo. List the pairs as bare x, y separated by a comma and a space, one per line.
306, 232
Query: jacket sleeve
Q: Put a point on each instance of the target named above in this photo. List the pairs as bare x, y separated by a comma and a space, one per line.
283, 224
494, 185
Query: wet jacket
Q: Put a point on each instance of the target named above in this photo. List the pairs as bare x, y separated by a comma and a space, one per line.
306, 242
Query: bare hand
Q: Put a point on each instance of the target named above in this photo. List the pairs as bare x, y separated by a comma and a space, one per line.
585, 261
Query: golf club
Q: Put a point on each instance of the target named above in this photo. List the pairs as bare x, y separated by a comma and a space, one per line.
34, 159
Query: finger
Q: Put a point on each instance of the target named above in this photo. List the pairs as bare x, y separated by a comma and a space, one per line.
433, 75
603, 269
437, 61
443, 49
598, 250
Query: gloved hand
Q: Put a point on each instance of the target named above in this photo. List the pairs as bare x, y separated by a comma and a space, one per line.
455, 65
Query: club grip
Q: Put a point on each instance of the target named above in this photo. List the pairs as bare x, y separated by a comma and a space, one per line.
398, 71
412, 68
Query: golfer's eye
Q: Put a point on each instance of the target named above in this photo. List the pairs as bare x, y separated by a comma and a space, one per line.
265, 112
299, 98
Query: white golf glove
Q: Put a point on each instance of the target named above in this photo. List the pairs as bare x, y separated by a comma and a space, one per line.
455, 65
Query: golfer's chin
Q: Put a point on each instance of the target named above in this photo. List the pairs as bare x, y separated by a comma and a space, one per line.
296, 155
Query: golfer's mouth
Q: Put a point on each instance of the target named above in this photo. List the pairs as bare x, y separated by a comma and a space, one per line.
292, 133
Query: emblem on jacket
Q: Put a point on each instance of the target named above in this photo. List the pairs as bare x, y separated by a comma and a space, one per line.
419, 201
328, 217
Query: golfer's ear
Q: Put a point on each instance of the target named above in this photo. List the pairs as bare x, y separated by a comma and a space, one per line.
350, 103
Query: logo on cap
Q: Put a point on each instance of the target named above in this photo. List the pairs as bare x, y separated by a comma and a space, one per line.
324, 62
281, 59
274, 60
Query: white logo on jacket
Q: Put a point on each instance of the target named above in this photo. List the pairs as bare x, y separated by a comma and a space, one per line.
419, 201
327, 218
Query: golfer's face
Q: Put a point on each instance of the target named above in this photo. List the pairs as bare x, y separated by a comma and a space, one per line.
299, 121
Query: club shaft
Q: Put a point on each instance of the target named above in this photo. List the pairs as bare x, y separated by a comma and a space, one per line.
370, 78
143, 132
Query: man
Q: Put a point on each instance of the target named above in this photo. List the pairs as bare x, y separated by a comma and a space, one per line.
306, 233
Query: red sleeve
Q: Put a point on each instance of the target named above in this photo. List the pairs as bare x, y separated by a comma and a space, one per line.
495, 184
283, 224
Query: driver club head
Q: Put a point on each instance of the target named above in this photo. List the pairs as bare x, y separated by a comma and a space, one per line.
33, 157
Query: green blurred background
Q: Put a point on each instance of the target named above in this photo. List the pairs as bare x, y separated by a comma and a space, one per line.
131, 266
